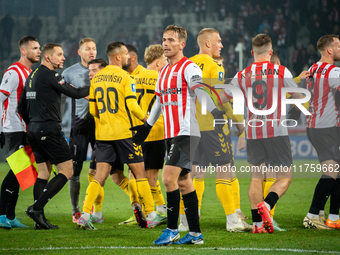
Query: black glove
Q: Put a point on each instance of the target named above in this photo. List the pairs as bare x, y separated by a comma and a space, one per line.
218, 115
2, 140
142, 133
294, 114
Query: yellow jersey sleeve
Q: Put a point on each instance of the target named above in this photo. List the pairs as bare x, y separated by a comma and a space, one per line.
131, 99
92, 103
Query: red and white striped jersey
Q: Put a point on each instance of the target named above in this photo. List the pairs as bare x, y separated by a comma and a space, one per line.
323, 83
175, 86
12, 85
262, 78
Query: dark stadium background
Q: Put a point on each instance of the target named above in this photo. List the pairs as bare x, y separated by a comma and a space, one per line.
294, 27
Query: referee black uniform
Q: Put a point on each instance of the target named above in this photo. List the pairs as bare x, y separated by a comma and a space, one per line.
39, 106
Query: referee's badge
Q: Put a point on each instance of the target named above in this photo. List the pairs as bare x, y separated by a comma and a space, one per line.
220, 76
133, 87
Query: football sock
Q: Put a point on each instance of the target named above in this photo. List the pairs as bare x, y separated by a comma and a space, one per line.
92, 192
199, 187
183, 219
224, 194
195, 234
151, 216
181, 207
173, 199
124, 185
144, 192
38, 188
9, 193
132, 186
256, 216
98, 203
269, 183
271, 199
157, 195
51, 189
263, 185
333, 217
235, 187
86, 216
98, 214
90, 177
232, 218
335, 198
321, 193
191, 204
74, 188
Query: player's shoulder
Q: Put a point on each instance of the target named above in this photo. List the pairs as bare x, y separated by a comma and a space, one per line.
72, 68
335, 71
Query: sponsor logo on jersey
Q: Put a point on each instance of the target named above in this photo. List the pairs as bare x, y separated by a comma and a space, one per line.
171, 91
62, 81
133, 87
220, 76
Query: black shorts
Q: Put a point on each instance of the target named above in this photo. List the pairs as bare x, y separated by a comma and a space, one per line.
79, 141
154, 154
216, 147
326, 142
14, 141
181, 151
116, 165
48, 142
276, 150
125, 150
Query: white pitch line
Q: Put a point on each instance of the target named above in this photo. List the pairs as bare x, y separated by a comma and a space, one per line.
169, 248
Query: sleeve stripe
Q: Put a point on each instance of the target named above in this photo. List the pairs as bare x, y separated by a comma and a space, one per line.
92, 100
128, 97
5, 92
197, 86
227, 95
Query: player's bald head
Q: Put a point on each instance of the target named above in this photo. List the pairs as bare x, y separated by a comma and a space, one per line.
262, 43
114, 48
205, 35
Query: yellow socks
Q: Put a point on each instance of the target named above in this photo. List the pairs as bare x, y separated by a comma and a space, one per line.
235, 187
224, 194
269, 183
124, 185
157, 195
199, 187
91, 194
143, 188
132, 187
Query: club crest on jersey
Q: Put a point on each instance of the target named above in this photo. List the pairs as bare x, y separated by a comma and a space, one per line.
62, 81
220, 76
133, 87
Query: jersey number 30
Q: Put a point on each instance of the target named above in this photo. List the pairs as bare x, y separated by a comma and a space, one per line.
111, 98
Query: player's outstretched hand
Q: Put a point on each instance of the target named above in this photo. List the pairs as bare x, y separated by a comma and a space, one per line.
218, 115
142, 133
294, 113
2, 140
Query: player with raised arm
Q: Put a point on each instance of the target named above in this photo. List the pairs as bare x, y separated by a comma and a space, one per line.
82, 127
112, 100
178, 85
322, 132
39, 106
13, 128
269, 140
216, 146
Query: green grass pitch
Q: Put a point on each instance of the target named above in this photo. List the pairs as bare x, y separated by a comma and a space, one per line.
110, 238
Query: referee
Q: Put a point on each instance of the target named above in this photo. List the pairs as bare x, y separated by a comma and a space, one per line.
39, 106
